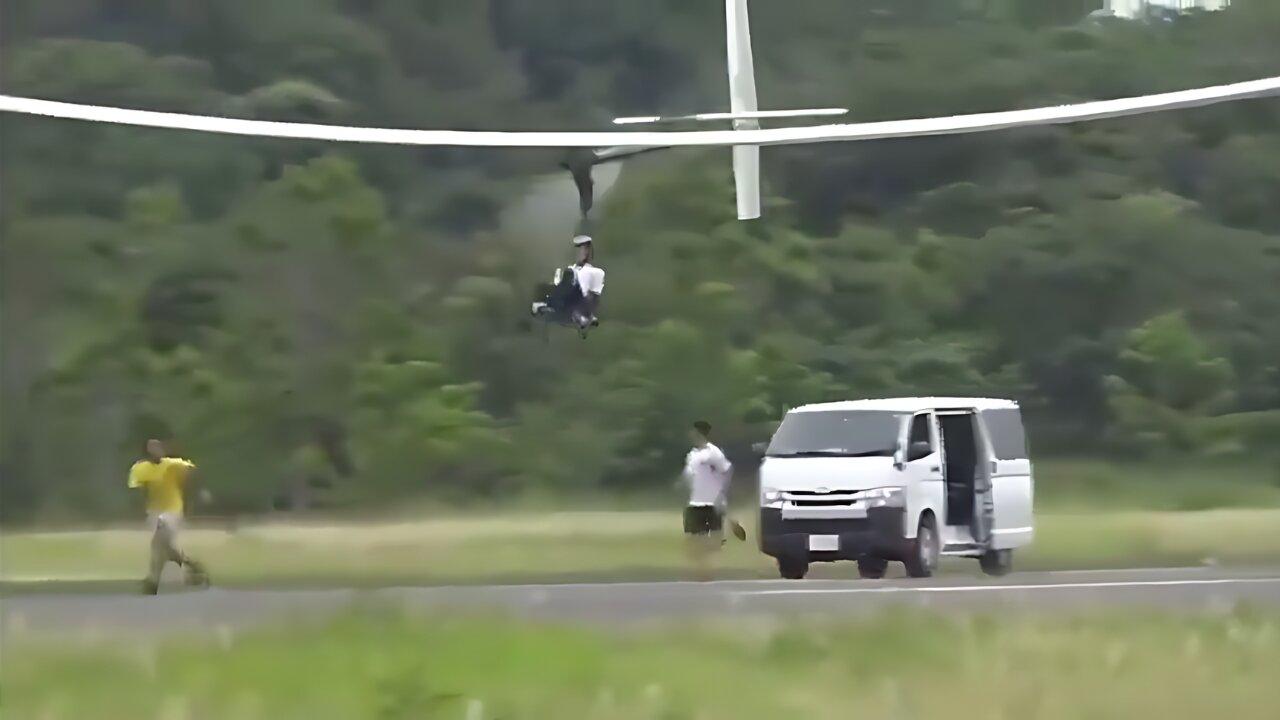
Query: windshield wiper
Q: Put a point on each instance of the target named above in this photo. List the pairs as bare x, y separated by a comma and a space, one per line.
835, 453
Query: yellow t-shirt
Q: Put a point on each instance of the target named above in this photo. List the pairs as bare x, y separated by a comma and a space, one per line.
164, 482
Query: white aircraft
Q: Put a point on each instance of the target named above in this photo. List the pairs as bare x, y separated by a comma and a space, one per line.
744, 113
746, 136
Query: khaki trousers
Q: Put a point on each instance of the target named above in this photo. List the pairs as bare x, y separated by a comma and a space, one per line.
164, 542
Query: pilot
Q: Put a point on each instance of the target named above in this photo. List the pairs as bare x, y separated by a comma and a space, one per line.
590, 282
574, 291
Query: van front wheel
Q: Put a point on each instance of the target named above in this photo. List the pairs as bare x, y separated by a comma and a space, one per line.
792, 568
922, 553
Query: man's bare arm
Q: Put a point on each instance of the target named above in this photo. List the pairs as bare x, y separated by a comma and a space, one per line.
202, 491
194, 481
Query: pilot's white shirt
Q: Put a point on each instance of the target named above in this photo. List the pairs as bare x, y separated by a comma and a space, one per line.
590, 278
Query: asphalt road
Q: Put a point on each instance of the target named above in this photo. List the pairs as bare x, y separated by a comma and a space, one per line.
620, 603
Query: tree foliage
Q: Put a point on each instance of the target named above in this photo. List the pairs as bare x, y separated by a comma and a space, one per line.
341, 324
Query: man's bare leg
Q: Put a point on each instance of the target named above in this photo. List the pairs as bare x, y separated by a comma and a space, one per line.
735, 527
699, 548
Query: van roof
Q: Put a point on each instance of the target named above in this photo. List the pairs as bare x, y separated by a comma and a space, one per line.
910, 405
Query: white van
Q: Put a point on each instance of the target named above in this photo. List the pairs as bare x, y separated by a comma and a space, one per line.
905, 479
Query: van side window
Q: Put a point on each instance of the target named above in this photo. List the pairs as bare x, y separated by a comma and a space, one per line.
920, 430
1008, 438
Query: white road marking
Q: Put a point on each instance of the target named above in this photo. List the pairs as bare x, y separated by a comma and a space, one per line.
1006, 588
73, 577
32, 578
605, 585
1132, 571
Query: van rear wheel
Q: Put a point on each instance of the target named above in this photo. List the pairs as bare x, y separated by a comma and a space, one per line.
996, 563
793, 568
872, 568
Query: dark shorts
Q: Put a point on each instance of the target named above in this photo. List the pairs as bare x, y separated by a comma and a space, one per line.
702, 520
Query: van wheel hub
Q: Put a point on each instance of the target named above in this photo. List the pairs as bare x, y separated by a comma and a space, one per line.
922, 558
927, 548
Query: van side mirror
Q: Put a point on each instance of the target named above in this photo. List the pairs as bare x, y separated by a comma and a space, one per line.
919, 450
760, 448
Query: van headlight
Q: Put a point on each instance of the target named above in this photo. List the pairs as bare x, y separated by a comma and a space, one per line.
894, 497
770, 497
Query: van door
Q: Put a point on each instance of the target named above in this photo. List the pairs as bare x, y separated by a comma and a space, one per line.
1012, 486
968, 478
924, 476
984, 500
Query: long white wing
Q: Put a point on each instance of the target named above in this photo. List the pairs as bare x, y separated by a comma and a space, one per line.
982, 122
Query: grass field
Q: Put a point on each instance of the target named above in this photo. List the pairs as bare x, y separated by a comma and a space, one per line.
903, 665
581, 546
1159, 486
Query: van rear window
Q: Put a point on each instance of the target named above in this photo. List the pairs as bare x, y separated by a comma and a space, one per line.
1008, 438
857, 433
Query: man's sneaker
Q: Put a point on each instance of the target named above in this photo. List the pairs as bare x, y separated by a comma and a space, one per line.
196, 574
537, 308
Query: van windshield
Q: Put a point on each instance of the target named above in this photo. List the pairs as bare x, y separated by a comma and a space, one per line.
856, 433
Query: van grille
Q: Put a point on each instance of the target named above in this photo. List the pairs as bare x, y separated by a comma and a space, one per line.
813, 498
774, 525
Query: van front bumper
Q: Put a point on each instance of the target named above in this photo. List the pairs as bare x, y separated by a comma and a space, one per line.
879, 534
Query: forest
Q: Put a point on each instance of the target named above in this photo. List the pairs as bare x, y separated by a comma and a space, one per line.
346, 326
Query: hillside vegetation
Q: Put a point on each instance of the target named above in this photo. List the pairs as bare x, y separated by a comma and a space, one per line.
341, 325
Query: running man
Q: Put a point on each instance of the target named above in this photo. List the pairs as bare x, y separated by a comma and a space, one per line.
708, 474
164, 479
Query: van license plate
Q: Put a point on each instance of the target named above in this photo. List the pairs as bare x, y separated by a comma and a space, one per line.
824, 543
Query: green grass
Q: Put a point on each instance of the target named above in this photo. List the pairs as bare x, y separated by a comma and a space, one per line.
901, 665
582, 546
1170, 486
1091, 515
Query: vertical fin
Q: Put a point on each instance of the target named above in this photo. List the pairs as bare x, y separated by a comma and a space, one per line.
742, 99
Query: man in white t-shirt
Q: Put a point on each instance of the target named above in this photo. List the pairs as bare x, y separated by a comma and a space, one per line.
708, 473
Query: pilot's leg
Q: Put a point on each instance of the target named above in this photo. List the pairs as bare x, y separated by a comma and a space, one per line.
541, 296
584, 310
578, 312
